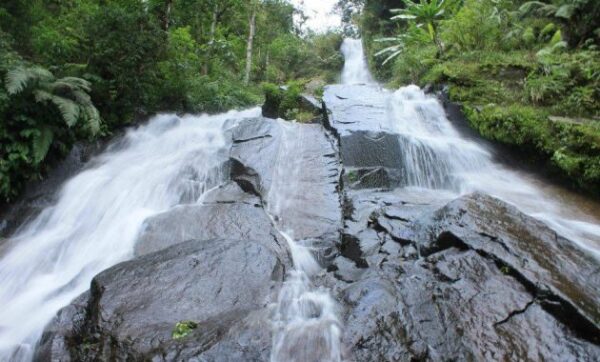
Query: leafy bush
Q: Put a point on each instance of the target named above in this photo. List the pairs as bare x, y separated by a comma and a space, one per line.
479, 24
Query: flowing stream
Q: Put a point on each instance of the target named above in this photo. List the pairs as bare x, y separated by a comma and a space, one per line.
306, 324
96, 220
438, 157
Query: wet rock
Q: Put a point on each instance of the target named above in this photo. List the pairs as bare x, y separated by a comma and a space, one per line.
462, 297
452, 306
355, 108
262, 148
226, 212
222, 285
527, 248
373, 177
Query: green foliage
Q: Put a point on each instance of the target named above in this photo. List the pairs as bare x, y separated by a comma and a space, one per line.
509, 64
286, 102
573, 149
124, 60
183, 329
477, 25
425, 17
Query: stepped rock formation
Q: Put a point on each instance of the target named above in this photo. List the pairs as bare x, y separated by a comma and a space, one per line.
416, 275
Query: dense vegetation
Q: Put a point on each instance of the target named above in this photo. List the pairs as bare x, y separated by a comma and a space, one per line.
526, 72
73, 70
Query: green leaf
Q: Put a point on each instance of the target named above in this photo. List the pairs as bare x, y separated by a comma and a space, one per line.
16, 80
41, 144
68, 109
565, 11
93, 119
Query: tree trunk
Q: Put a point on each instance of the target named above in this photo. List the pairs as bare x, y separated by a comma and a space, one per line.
167, 15
211, 39
249, 46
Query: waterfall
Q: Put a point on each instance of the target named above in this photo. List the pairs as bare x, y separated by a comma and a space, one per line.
355, 69
306, 325
95, 222
436, 156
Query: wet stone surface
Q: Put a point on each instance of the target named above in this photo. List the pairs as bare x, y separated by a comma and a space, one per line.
418, 275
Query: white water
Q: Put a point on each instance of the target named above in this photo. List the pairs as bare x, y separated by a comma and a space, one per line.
97, 217
356, 70
437, 156
306, 324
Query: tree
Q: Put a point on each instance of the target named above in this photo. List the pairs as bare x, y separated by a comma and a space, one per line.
249, 44
426, 15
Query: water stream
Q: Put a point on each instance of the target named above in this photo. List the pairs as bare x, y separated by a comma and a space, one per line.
98, 215
438, 157
306, 324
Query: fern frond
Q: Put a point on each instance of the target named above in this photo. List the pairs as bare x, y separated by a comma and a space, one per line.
18, 78
82, 97
41, 144
42, 96
93, 119
69, 110
79, 82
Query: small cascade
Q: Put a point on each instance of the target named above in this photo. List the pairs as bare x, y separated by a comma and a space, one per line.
355, 69
306, 325
97, 217
436, 156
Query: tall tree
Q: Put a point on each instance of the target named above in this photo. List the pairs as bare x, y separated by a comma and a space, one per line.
250, 42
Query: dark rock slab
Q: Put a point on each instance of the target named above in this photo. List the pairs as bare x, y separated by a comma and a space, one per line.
254, 153
489, 283
225, 212
456, 305
222, 285
351, 108
295, 170
565, 278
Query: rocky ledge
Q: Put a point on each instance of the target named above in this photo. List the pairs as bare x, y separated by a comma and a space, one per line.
417, 275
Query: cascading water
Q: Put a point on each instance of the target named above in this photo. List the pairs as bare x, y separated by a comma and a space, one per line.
355, 69
98, 215
436, 156
306, 325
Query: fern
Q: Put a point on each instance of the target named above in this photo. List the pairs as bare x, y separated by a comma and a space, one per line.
41, 144
68, 94
18, 78
69, 110
93, 119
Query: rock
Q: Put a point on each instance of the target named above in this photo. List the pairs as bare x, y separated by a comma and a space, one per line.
490, 284
351, 108
295, 170
226, 212
223, 285
254, 153
528, 249
452, 306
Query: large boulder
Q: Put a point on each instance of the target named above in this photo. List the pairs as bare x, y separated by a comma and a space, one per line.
225, 212
474, 279
221, 286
